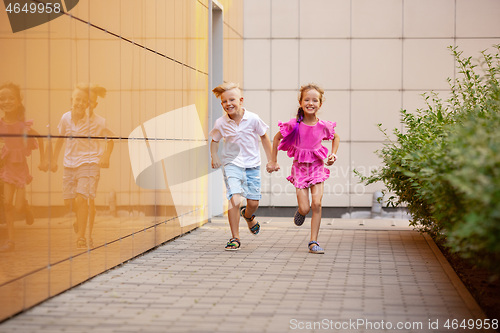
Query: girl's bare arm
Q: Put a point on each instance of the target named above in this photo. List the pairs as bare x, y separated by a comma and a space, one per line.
335, 147
43, 165
273, 165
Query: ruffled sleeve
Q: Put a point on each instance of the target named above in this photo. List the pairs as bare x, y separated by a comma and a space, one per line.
286, 128
329, 130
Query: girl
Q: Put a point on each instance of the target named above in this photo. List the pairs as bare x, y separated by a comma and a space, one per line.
18, 143
301, 137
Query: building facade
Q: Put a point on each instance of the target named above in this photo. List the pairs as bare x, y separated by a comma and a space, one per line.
157, 61
372, 57
152, 58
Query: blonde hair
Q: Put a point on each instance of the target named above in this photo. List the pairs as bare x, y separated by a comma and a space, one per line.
83, 87
219, 90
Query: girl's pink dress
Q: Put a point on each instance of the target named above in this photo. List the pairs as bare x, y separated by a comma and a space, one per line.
17, 146
308, 153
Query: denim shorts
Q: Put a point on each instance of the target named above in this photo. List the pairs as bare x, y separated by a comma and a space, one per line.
81, 180
243, 181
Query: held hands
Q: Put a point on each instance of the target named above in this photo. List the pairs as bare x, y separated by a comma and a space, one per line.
331, 159
53, 165
272, 166
44, 165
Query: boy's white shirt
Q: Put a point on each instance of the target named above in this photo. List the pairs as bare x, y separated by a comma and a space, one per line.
81, 151
241, 142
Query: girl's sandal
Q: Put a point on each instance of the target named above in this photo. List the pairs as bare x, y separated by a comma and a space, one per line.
298, 219
256, 227
233, 245
315, 248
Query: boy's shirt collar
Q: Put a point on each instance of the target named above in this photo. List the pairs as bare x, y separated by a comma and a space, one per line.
244, 116
84, 119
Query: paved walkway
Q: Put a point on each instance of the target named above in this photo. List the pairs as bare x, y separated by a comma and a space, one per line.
374, 276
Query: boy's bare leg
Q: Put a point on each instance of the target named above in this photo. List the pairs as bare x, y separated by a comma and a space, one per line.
91, 219
70, 205
233, 215
251, 208
82, 211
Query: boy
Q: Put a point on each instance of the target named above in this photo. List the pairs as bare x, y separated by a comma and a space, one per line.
83, 158
240, 130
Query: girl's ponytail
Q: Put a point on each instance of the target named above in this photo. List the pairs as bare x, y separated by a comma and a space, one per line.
300, 115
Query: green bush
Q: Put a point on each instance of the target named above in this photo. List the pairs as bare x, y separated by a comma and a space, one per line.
445, 166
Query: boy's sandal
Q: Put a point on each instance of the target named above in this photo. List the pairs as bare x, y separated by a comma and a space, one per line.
233, 244
315, 248
256, 227
298, 219
81, 243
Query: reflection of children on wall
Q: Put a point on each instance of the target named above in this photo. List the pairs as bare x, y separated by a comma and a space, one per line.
18, 142
83, 157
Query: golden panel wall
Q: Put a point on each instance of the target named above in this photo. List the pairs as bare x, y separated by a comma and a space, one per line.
103, 137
